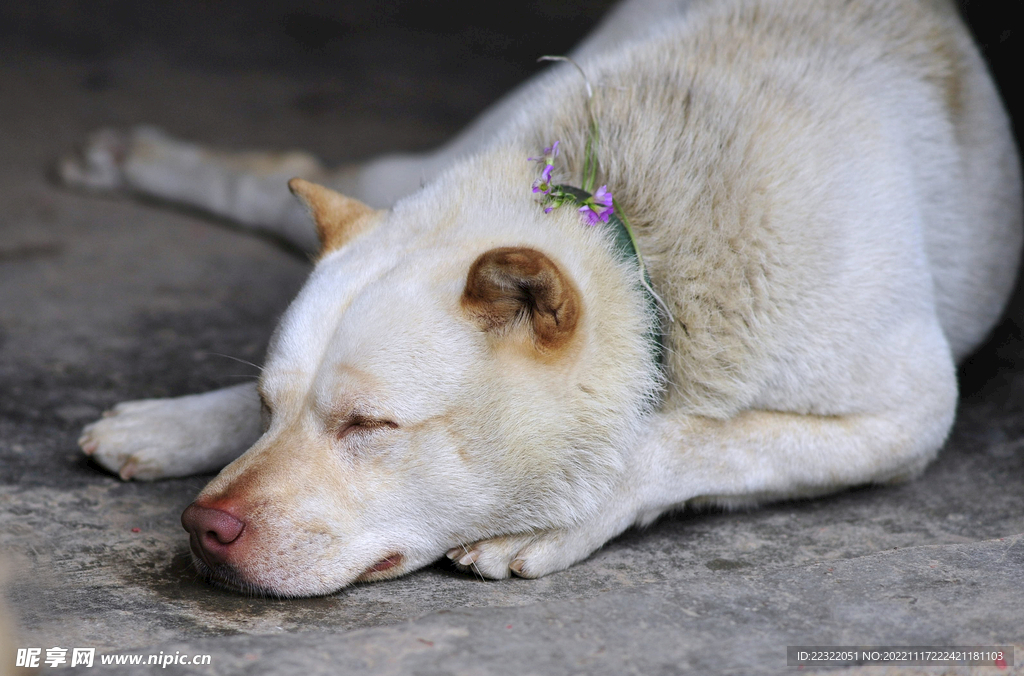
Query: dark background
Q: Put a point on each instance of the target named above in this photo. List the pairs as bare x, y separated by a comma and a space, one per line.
501, 39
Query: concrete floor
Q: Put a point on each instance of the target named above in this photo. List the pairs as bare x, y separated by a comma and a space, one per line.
104, 299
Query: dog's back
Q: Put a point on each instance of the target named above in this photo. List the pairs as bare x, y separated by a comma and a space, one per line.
798, 169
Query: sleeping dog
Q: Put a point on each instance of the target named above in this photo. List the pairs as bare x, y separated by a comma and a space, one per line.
731, 252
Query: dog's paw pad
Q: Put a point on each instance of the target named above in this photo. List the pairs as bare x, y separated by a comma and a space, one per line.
97, 164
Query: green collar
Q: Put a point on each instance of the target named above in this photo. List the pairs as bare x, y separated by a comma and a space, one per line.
625, 244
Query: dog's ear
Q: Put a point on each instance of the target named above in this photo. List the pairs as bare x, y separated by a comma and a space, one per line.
338, 219
517, 283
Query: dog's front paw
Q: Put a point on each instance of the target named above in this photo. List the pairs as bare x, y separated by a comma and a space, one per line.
533, 555
134, 440
97, 164
162, 438
491, 558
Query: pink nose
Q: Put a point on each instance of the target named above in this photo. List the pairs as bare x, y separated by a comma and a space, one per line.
211, 532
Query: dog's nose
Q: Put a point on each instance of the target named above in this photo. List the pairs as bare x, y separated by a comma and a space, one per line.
212, 531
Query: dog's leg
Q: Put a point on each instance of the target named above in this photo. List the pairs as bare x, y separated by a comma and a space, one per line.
163, 438
249, 188
753, 457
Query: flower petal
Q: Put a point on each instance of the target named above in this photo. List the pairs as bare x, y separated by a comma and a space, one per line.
603, 196
589, 217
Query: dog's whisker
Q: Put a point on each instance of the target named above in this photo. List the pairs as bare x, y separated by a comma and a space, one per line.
238, 359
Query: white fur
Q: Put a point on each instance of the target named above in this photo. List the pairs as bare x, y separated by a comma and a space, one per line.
828, 198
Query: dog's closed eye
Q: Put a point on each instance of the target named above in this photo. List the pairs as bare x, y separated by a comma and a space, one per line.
358, 424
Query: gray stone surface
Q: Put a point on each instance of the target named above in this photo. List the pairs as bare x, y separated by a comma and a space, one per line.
104, 299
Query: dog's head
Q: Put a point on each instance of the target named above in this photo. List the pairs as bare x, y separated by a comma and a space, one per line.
459, 367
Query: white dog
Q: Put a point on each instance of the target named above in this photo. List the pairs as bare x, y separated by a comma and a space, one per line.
827, 199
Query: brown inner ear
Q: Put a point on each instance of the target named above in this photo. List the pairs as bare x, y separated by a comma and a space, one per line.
509, 283
339, 219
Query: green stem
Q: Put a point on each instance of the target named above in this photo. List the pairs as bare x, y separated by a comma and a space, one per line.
644, 277
590, 158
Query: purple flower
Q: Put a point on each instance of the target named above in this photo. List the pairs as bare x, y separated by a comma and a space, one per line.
550, 153
599, 207
543, 184
603, 196
591, 217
